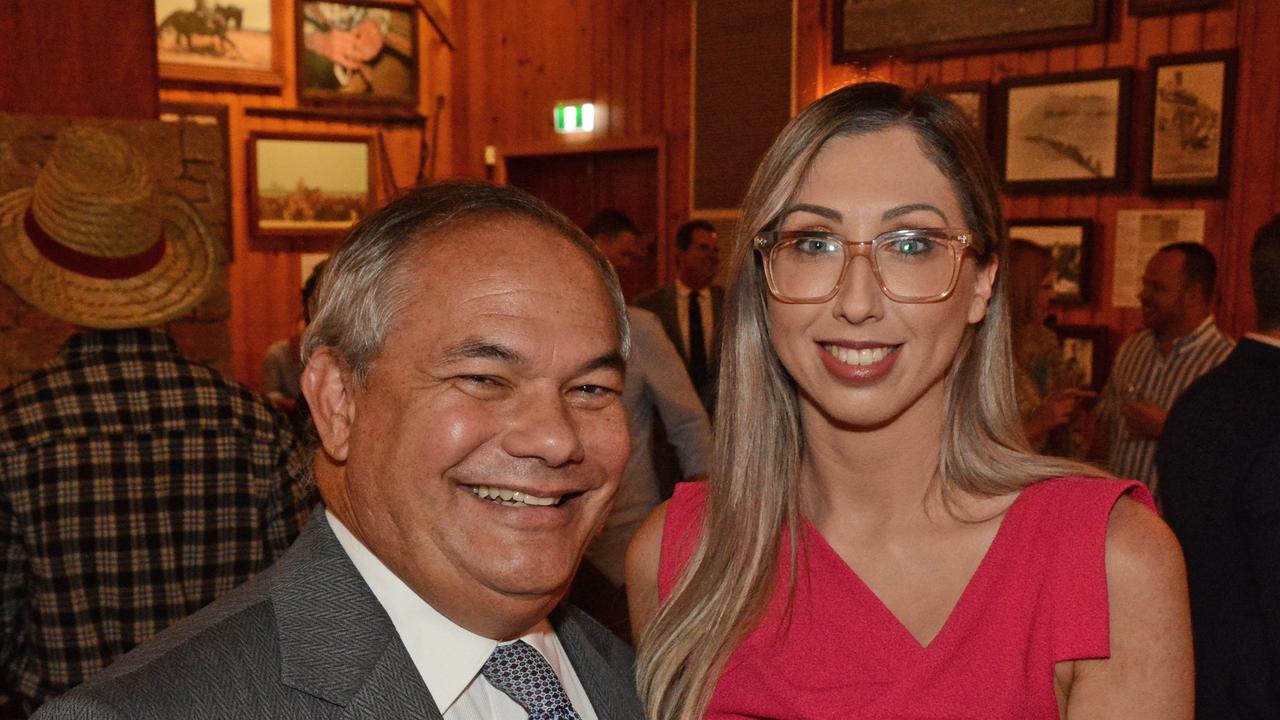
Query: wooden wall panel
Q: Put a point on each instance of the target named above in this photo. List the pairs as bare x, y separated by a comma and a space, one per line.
1251, 25
630, 57
58, 60
742, 94
264, 276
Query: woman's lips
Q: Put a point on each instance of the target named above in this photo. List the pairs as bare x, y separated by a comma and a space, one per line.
862, 364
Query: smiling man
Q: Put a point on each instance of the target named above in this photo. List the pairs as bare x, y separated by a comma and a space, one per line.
1180, 343
464, 370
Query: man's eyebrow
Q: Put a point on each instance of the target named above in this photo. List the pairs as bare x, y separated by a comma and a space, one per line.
479, 348
901, 210
474, 348
608, 361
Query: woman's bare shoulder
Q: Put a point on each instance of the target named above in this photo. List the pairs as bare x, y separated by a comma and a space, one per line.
644, 555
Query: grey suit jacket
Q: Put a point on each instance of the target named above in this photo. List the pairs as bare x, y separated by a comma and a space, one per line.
308, 639
663, 303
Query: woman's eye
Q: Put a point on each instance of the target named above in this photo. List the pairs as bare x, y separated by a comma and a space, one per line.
911, 246
816, 246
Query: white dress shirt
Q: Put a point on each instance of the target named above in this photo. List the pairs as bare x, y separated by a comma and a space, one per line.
655, 384
708, 321
448, 656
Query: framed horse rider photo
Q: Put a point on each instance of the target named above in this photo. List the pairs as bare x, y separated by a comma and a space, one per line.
221, 42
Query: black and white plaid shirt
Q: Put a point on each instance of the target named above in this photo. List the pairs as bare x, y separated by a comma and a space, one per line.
135, 487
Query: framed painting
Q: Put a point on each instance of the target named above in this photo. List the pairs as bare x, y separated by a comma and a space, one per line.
1085, 353
1070, 241
973, 100
215, 118
1192, 104
357, 53
237, 42
308, 185
1064, 133
1162, 7
1139, 235
867, 30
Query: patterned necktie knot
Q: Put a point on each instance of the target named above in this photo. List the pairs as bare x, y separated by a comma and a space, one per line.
523, 674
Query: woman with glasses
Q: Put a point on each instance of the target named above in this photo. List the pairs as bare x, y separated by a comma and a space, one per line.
877, 540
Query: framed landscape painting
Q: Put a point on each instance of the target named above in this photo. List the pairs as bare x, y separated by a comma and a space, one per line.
238, 42
1192, 103
357, 53
1065, 133
868, 30
308, 185
1069, 241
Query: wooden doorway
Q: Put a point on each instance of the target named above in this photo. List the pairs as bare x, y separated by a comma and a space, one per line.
582, 183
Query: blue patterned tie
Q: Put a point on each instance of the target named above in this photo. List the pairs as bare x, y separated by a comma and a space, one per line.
522, 673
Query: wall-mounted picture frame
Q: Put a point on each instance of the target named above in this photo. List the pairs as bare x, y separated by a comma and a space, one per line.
217, 117
1191, 114
357, 53
233, 43
1070, 241
973, 99
1086, 353
866, 30
1064, 133
1164, 7
1139, 234
304, 185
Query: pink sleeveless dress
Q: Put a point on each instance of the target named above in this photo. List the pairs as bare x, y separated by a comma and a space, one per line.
1038, 597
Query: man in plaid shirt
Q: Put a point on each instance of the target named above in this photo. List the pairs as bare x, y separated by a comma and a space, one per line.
135, 486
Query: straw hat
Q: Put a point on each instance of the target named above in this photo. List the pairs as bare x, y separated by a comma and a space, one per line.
96, 244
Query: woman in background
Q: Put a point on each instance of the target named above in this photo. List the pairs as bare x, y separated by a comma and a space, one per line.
877, 539
1048, 394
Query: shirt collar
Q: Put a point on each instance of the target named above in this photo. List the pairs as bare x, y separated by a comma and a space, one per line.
684, 291
1202, 332
131, 340
447, 655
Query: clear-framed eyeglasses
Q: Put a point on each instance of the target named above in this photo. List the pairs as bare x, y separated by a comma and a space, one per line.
918, 265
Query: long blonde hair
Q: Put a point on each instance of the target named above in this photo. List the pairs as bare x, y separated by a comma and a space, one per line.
753, 494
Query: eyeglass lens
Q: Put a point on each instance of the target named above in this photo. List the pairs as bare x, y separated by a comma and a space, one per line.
910, 267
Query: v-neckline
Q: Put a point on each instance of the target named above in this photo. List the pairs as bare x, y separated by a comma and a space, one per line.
971, 588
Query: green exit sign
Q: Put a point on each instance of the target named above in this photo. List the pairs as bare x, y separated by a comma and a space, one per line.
575, 117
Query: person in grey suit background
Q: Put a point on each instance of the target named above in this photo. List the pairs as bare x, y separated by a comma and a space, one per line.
465, 374
657, 388
697, 265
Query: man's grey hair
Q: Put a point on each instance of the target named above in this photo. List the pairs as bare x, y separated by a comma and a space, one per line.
365, 286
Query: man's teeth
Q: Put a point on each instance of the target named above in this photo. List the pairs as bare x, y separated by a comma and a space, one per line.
866, 356
512, 498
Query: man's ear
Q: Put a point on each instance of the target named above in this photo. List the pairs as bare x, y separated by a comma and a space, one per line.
326, 383
984, 283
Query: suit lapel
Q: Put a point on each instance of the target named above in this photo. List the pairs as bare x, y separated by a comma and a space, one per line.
611, 688
336, 642
670, 316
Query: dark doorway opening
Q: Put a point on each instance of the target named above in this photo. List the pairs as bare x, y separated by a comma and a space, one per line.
580, 184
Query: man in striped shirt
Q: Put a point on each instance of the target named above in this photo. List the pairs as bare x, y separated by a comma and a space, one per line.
1180, 343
